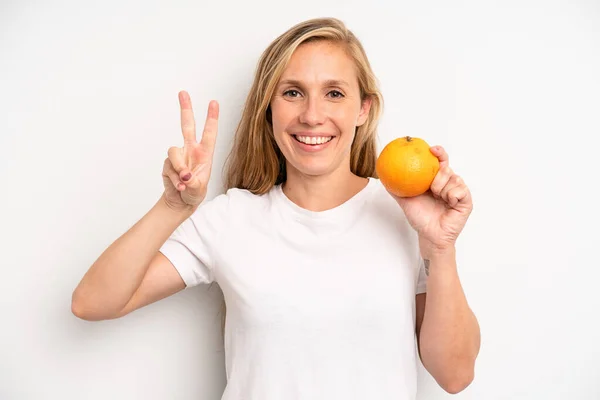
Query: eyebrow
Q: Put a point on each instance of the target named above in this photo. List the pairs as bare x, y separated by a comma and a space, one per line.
329, 82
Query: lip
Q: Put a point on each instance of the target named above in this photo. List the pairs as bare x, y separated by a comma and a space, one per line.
311, 148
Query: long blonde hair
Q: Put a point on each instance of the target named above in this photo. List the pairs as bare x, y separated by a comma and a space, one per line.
255, 162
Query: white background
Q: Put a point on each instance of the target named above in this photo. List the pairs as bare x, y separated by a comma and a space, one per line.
88, 109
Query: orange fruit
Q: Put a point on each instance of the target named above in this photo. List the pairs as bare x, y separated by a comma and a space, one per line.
406, 167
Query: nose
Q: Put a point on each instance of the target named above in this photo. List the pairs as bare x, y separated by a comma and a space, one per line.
313, 112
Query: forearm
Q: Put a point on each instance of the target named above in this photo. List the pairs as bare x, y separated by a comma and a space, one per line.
115, 276
449, 337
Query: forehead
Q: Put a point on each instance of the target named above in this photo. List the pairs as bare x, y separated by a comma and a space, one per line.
320, 61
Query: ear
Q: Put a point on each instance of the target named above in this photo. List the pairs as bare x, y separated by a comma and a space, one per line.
364, 111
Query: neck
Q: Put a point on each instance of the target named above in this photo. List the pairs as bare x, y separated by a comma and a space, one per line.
324, 192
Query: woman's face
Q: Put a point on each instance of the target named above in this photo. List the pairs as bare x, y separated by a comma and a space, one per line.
316, 108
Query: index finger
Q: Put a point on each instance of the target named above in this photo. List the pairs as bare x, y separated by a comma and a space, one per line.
442, 156
188, 125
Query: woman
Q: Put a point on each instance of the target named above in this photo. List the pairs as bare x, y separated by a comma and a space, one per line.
324, 273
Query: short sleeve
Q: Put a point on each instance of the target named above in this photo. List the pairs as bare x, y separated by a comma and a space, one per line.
191, 246
421, 277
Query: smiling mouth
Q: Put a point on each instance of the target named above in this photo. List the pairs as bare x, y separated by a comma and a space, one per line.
313, 140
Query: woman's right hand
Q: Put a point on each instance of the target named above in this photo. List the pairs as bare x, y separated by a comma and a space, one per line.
186, 171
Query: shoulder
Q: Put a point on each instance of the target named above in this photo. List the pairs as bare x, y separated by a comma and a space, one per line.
235, 201
243, 199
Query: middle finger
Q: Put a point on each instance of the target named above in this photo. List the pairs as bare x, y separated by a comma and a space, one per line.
188, 124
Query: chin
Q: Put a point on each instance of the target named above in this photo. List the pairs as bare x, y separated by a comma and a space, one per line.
312, 169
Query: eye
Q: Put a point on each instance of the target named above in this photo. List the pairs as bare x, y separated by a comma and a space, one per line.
336, 94
291, 93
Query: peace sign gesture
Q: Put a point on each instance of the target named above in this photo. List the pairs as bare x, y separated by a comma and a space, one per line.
186, 171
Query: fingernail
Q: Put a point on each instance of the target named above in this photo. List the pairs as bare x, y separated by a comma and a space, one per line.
187, 176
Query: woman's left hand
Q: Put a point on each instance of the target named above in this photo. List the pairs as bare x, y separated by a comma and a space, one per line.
440, 214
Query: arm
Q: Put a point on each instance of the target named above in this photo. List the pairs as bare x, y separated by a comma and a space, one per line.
131, 272
447, 330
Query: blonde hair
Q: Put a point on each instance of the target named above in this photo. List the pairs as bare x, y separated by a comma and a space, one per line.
255, 162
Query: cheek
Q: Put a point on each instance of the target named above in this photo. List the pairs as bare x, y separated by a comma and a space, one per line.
280, 119
279, 123
345, 118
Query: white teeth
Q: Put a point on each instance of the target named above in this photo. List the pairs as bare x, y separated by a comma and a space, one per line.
314, 139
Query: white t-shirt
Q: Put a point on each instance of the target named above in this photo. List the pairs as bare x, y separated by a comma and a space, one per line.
320, 305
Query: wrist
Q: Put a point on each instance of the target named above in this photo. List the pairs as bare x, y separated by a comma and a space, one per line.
437, 255
174, 213
443, 254
440, 264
